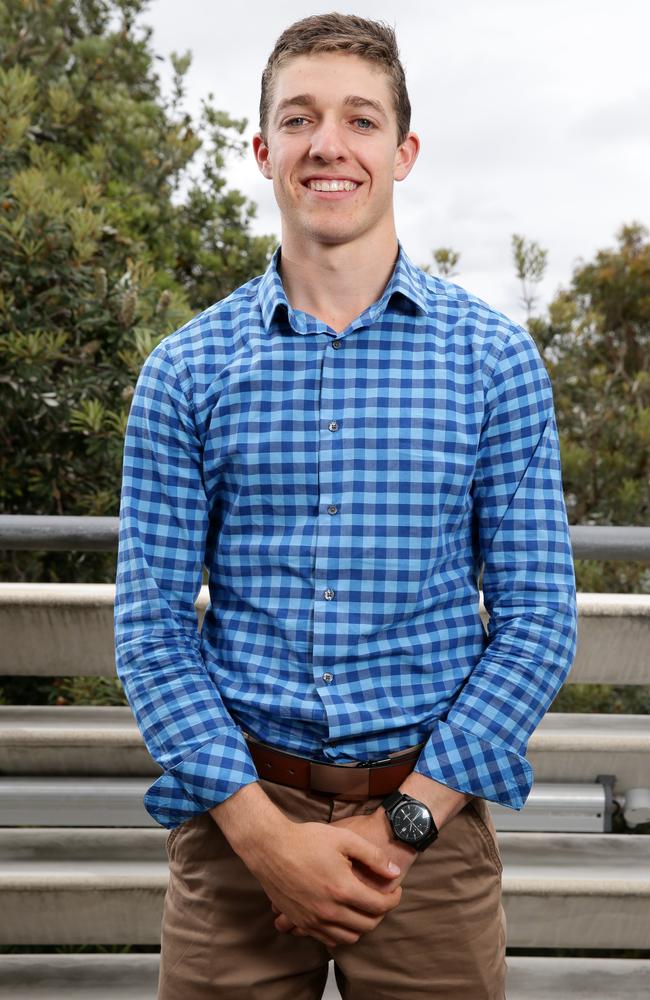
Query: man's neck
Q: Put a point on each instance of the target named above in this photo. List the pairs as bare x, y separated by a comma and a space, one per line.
335, 283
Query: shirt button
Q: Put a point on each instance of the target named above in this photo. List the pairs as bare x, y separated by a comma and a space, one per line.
332, 509
332, 426
328, 678
336, 344
328, 594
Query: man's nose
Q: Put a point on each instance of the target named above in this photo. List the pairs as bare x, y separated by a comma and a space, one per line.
328, 141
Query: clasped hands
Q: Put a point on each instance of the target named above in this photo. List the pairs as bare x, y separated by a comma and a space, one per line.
348, 886
330, 881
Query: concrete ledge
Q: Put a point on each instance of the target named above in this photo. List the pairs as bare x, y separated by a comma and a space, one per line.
577, 978
577, 747
134, 977
66, 629
82, 887
576, 891
62, 801
78, 740
97, 886
78, 977
72, 740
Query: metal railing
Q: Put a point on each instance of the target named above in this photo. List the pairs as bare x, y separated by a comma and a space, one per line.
99, 534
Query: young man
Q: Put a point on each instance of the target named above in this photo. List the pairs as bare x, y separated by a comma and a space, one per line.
346, 443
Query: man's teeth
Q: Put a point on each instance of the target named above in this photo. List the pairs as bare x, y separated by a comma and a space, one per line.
332, 185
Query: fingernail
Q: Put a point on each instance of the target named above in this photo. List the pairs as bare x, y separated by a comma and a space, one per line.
394, 869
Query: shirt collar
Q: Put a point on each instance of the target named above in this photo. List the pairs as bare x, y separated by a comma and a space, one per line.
407, 282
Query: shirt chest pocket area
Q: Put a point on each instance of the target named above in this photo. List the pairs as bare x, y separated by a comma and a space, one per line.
434, 471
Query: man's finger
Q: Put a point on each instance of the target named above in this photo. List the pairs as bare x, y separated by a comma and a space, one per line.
370, 879
368, 900
371, 856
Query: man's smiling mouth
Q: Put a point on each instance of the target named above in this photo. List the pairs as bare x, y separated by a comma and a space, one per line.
331, 185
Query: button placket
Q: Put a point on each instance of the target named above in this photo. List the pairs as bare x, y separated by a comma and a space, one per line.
328, 593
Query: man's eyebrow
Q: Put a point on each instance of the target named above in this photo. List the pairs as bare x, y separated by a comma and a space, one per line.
366, 102
352, 101
299, 101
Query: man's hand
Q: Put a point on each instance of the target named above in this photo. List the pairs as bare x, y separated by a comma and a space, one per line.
444, 804
313, 879
331, 883
374, 829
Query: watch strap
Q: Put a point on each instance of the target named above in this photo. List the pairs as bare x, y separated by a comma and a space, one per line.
393, 799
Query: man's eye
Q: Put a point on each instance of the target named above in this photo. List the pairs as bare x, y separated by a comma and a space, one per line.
298, 118
368, 122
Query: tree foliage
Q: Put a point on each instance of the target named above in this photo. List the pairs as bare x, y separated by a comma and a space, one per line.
446, 260
530, 264
596, 342
116, 225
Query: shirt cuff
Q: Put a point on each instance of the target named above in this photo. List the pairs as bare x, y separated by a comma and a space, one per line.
200, 781
467, 763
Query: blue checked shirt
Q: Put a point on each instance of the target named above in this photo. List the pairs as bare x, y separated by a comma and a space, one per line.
344, 491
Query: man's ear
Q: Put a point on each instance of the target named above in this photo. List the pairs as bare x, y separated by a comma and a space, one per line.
406, 155
262, 155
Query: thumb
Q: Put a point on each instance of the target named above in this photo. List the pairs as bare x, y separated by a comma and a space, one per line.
371, 856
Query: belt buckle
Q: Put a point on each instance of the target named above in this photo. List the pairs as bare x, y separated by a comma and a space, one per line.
326, 778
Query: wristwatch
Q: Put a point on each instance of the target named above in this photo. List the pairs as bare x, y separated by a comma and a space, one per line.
410, 819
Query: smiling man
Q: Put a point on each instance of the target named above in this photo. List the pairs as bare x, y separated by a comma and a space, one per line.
347, 444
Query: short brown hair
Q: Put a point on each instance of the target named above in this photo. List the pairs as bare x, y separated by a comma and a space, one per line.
372, 40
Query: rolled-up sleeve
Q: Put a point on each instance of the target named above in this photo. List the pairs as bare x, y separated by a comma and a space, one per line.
523, 544
163, 526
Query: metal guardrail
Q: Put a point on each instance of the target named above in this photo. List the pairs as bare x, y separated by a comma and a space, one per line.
57, 534
99, 534
604, 542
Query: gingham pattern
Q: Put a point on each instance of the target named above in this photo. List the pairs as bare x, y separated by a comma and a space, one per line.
343, 491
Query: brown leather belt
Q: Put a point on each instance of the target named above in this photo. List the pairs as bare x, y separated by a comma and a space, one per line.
350, 782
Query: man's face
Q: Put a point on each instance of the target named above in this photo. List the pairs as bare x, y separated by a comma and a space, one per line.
332, 118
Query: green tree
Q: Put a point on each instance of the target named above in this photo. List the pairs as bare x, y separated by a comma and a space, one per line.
446, 259
530, 264
116, 225
596, 343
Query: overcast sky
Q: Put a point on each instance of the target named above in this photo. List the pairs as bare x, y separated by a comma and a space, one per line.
534, 118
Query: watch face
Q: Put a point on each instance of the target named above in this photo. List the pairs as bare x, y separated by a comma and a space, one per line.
411, 822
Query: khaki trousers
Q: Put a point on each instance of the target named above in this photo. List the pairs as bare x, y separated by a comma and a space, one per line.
445, 940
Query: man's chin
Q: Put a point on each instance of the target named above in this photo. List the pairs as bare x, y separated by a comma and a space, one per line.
333, 235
